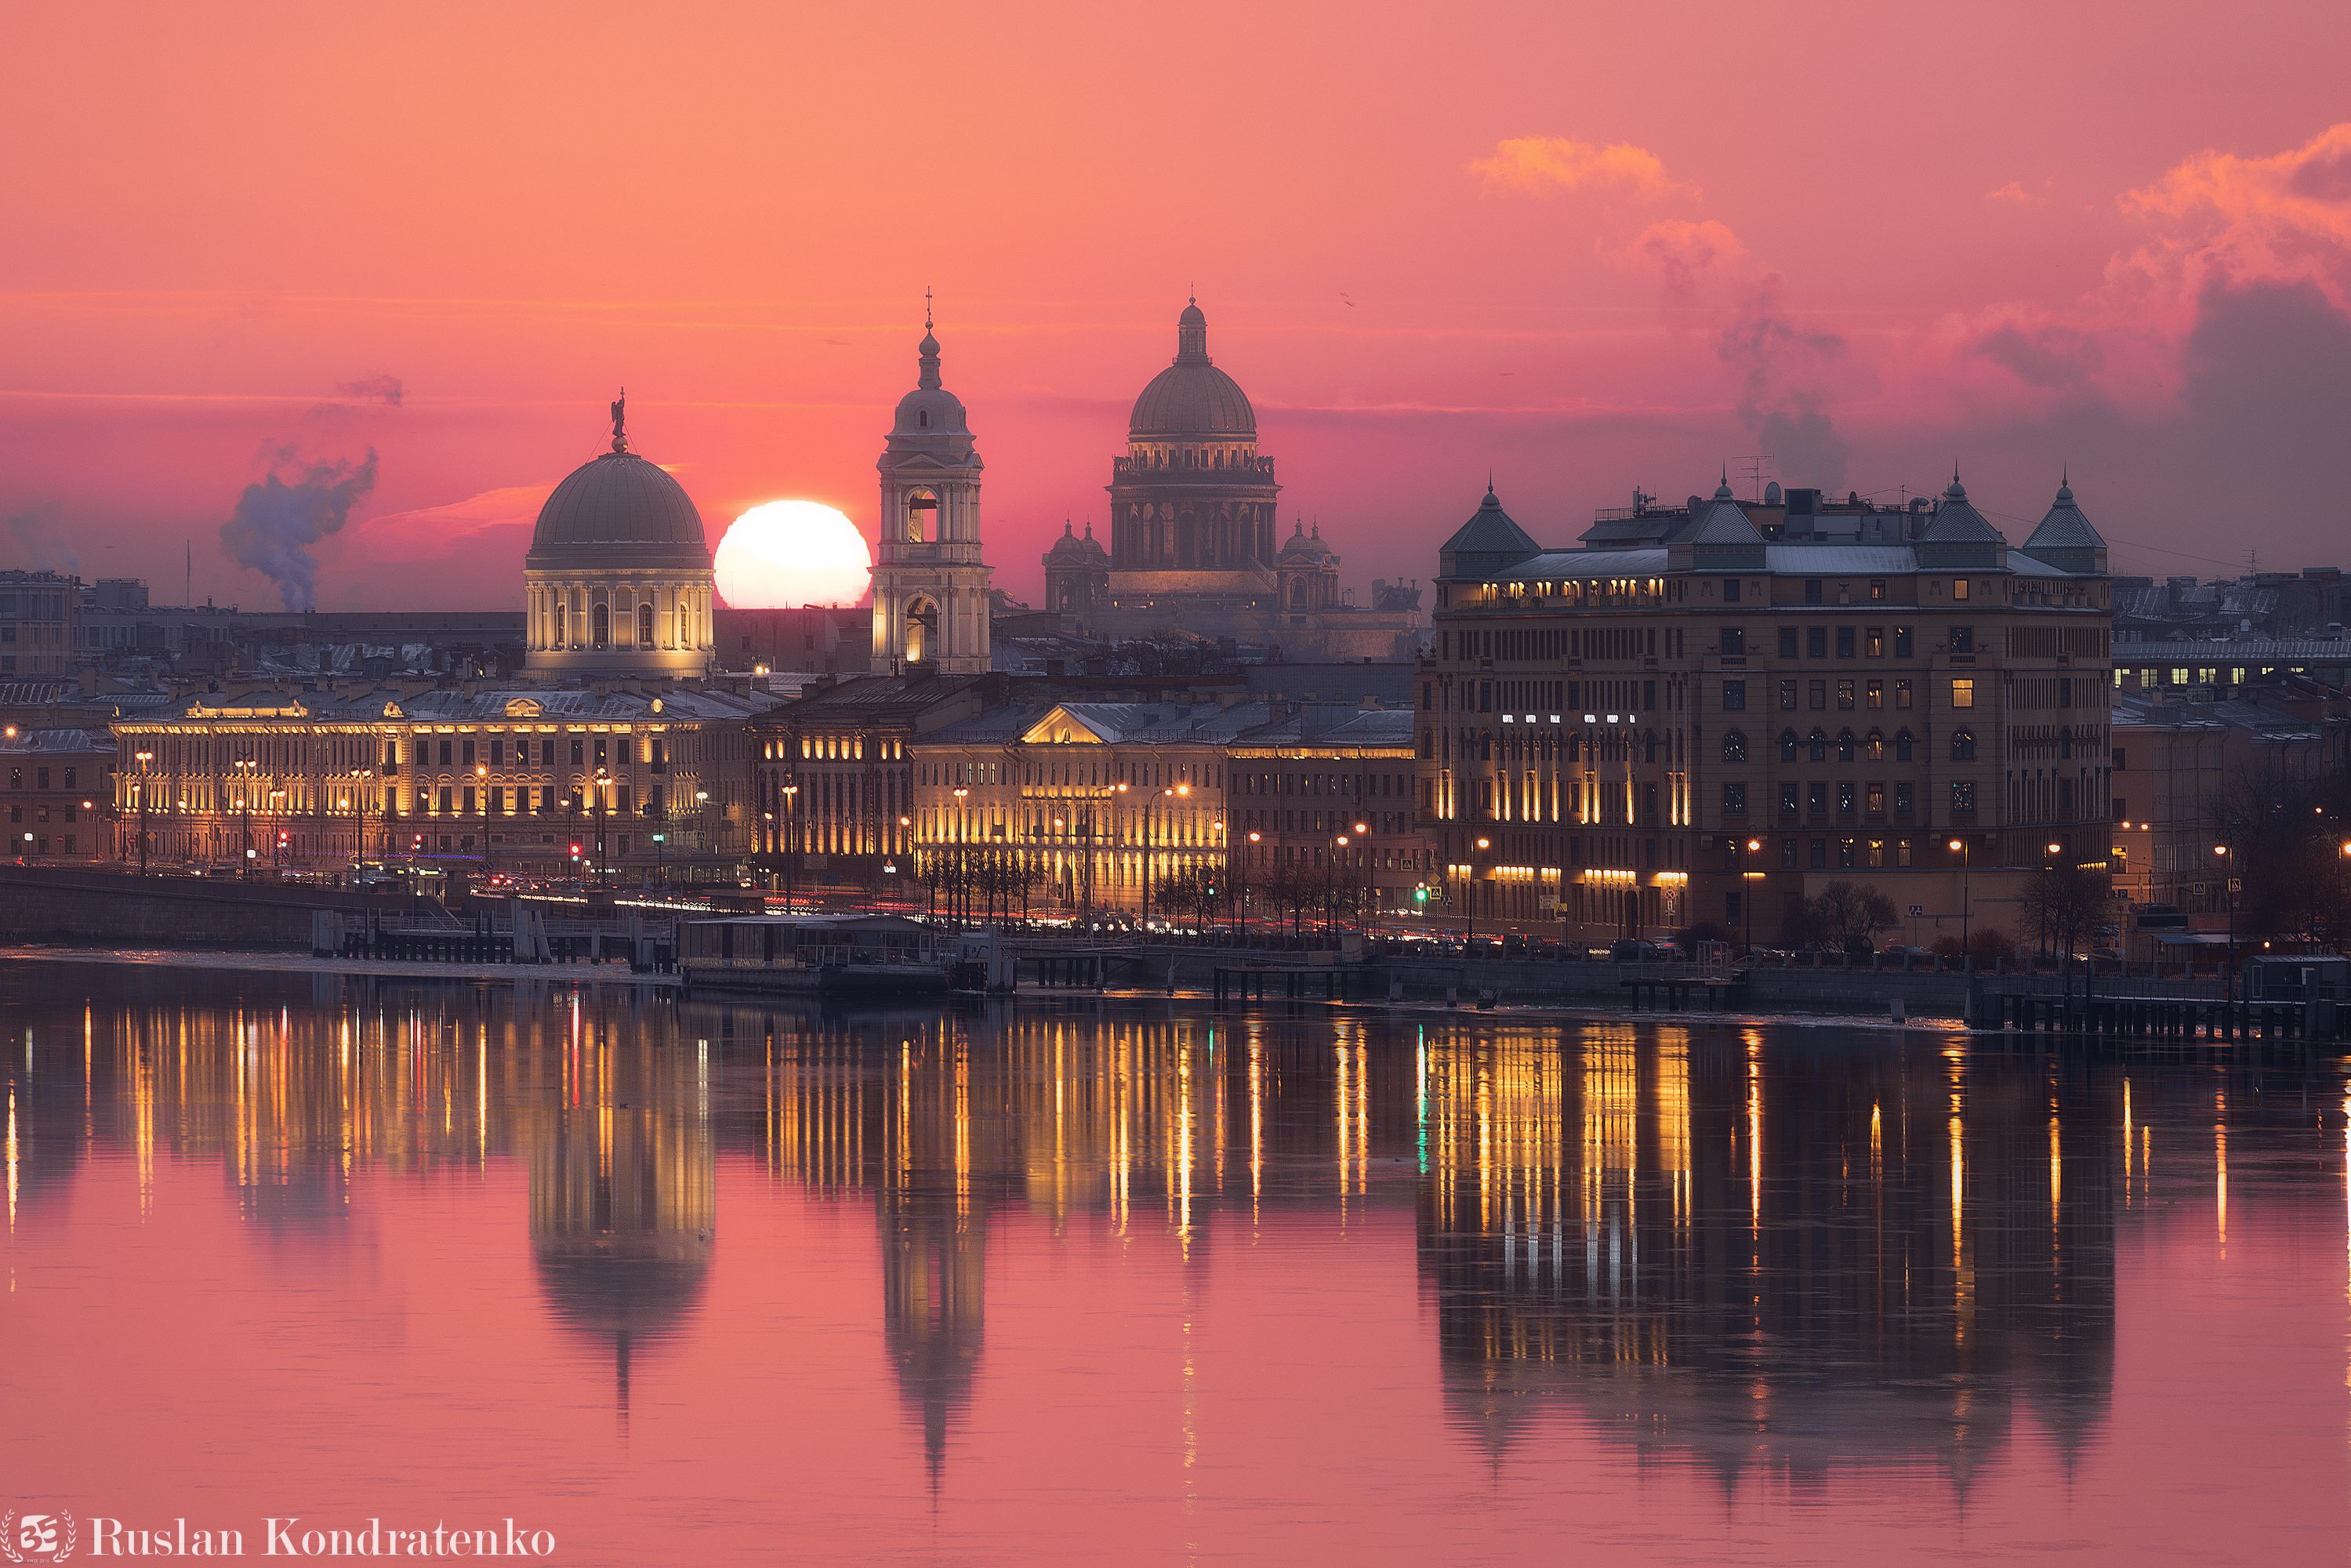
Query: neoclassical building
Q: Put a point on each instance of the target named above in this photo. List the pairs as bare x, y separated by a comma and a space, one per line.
930, 586
617, 758
618, 579
1196, 547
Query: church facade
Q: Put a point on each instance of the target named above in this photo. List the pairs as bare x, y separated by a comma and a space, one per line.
1196, 543
930, 586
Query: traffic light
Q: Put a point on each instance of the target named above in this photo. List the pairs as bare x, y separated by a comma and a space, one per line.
1420, 892
575, 851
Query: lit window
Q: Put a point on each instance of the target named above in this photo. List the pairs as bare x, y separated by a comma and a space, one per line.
1963, 692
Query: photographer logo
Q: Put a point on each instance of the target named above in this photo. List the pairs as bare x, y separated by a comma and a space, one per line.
37, 1537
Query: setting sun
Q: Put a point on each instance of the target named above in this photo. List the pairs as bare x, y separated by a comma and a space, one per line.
780, 555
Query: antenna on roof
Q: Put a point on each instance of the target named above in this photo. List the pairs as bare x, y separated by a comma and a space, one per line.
1753, 470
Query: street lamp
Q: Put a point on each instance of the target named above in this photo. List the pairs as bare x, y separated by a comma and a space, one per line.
245, 766
790, 793
1483, 845
1747, 889
1240, 929
959, 891
1960, 848
144, 758
1365, 903
2229, 895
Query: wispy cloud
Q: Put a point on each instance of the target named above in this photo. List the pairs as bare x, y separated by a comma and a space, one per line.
1546, 165
2013, 191
1679, 251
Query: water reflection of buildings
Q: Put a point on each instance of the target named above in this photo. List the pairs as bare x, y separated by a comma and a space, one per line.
1768, 1256
1788, 1260
623, 1179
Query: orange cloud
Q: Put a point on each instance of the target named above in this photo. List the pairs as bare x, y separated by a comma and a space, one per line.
2284, 217
2013, 191
1544, 165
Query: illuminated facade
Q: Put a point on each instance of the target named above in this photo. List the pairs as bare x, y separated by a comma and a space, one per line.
618, 580
1331, 792
1728, 704
1092, 805
536, 781
930, 586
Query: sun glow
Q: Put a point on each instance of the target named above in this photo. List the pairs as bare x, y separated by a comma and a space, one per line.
780, 555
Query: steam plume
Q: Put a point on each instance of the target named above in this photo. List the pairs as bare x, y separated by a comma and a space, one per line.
294, 507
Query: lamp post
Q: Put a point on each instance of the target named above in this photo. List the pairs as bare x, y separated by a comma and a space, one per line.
144, 758
959, 891
1363, 910
1483, 845
1960, 848
1747, 889
276, 833
791, 793
362, 780
1150, 842
906, 844
1240, 915
2229, 895
245, 766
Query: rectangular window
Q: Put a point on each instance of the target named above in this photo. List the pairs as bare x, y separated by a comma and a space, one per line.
1902, 642
1788, 801
1876, 589
469, 799
1816, 799
1845, 853
1820, 695
466, 755
1872, 642
1787, 854
1734, 799
1734, 697
1963, 692
1963, 639
2064, 691
1820, 855
1734, 640
1876, 798
1960, 589
1787, 641
1845, 797
1874, 695
1816, 641
1844, 696
1811, 591
1787, 696
1902, 694
578, 750
1844, 641
445, 802
1730, 590
1963, 797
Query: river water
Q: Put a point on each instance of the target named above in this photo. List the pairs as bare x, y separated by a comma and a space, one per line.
681, 1281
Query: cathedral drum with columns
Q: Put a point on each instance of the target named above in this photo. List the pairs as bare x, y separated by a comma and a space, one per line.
618, 580
930, 587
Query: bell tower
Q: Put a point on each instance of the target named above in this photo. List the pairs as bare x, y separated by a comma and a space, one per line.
930, 587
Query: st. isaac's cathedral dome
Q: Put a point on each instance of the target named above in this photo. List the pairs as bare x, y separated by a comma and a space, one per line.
618, 579
1192, 398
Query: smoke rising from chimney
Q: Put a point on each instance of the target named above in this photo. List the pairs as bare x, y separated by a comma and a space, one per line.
278, 519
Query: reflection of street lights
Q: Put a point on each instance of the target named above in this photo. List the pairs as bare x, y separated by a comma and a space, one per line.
1960, 848
144, 758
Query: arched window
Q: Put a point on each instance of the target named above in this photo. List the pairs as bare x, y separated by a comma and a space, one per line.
1901, 746
1963, 745
1873, 747
1844, 746
684, 615
600, 624
1817, 744
921, 516
646, 623
562, 624
1734, 746
1787, 746
921, 629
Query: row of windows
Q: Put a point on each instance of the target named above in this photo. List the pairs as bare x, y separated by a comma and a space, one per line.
1852, 642
1851, 695
1852, 798
41, 777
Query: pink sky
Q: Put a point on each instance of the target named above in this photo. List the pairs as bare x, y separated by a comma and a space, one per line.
1589, 248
